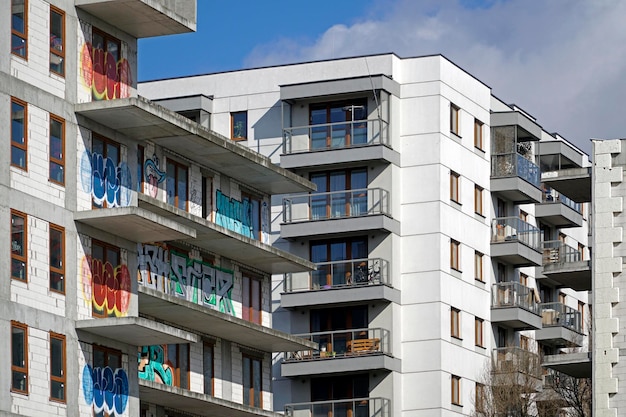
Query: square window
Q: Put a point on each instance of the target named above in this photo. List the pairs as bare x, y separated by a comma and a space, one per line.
455, 180
239, 125
454, 119
455, 323
455, 254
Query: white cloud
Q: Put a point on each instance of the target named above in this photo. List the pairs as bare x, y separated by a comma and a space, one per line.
563, 61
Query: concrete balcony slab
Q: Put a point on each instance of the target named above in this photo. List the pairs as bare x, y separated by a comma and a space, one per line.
137, 331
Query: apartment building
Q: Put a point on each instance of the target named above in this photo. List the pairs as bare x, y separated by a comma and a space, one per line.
140, 278
448, 236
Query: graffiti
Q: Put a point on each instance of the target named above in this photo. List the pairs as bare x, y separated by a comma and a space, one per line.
105, 389
103, 75
234, 215
153, 176
177, 274
107, 183
265, 232
106, 287
153, 367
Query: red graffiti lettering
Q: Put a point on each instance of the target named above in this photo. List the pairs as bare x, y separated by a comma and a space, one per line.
106, 77
110, 288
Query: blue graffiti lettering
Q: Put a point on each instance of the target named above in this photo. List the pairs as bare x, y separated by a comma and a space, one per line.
108, 183
105, 389
234, 215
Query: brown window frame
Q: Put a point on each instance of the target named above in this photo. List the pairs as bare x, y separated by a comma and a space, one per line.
348, 174
232, 126
106, 38
455, 323
248, 296
454, 119
21, 146
581, 310
479, 397
54, 51
20, 258
209, 383
479, 268
523, 216
105, 247
181, 375
106, 142
478, 135
455, 184
53, 269
455, 390
523, 279
177, 165
479, 332
21, 35
62, 379
107, 351
60, 162
455, 255
478, 200
250, 389
24, 368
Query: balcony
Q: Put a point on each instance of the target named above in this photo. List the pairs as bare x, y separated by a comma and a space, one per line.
515, 178
515, 242
574, 182
342, 351
563, 168
143, 19
514, 366
337, 143
558, 210
561, 325
340, 282
357, 407
348, 211
515, 306
576, 364
564, 265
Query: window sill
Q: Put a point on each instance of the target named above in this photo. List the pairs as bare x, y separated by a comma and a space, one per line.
479, 282
455, 136
456, 340
238, 139
480, 349
479, 150
457, 407
456, 272
456, 204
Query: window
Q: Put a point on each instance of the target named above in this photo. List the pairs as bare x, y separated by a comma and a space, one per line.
57, 367
338, 124
57, 150
454, 119
19, 133
18, 245
455, 322
178, 359
478, 200
335, 274
109, 152
524, 342
252, 221
19, 28
523, 279
252, 377
562, 298
251, 299
581, 252
141, 159
208, 368
106, 75
57, 41
19, 357
57, 259
478, 332
105, 259
455, 261
478, 266
454, 186
456, 390
523, 216
479, 398
176, 183
207, 197
478, 134
581, 310
327, 202
239, 125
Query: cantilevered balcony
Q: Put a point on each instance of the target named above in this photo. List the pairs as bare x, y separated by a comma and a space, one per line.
561, 325
515, 242
356, 407
348, 211
563, 167
340, 282
514, 305
516, 366
144, 18
342, 351
558, 210
564, 265
337, 143
515, 178
576, 364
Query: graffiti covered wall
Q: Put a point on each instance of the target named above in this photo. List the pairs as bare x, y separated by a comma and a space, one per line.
106, 77
153, 366
246, 217
109, 184
106, 287
153, 176
105, 390
177, 274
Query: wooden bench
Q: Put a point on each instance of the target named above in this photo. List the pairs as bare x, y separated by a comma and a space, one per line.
363, 345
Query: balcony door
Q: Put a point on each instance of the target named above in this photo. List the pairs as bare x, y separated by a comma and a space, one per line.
338, 393
334, 251
338, 124
329, 202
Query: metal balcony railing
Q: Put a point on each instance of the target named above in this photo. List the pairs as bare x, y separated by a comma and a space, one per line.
343, 343
513, 294
550, 195
515, 165
321, 137
510, 229
340, 274
556, 314
516, 359
335, 205
557, 252
357, 407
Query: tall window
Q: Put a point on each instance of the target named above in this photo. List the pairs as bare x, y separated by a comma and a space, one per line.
239, 125
19, 357
478, 266
108, 152
456, 390
57, 259
106, 55
57, 367
581, 310
251, 299
480, 398
252, 379
178, 359
105, 259
478, 332
208, 368
478, 200
335, 273
57, 150
455, 255
478, 134
454, 119
455, 322
523, 279
338, 124
332, 203
177, 184
57, 41
19, 27
455, 180
19, 242
252, 214
19, 133
141, 159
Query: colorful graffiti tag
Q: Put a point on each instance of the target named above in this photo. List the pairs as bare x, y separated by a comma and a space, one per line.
103, 75
106, 287
177, 274
105, 389
153, 367
153, 176
236, 215
107, 182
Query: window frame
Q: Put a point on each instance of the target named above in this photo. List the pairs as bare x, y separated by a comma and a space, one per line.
106, 143
53, 269
24, 368
479, 397
21, 146
455, 119
105, 248
455, 187
455, 255
177, 165
478, 200
209, 386
455, 323
455, 390
141, 160
478, 135
106, 39
353, 204
22, 35
248, 297
63, 378
348, 125
479, 332
53, 160
55, 51
233, 115
249, 387
20, 258
479, 268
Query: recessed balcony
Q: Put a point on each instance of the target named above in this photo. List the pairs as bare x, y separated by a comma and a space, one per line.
561, 325
336, 212
564, 265
515, 242
356, 407
514, 305
558, 210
